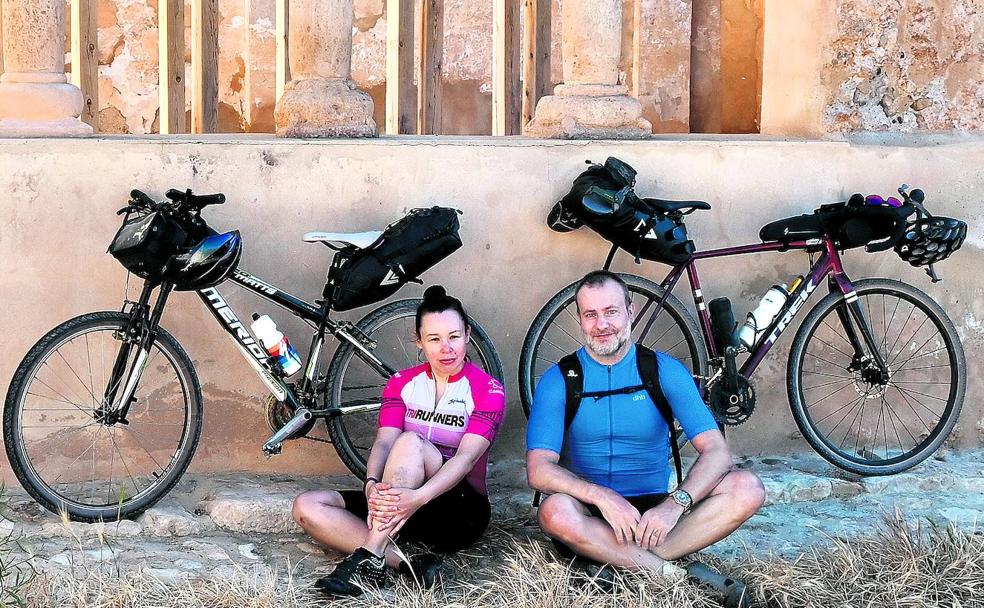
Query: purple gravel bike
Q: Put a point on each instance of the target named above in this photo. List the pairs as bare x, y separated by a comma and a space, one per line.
876, 373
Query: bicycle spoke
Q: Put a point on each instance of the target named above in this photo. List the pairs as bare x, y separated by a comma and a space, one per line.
136, 489
74, 373
857, 403
895, 355
66, 399
920, 348
903, 392
892, 411
824, 360
909, 390
830, 395
807, 388
902, 330
909, 369
559, 349
561, 328
839, 335
824, 342
838, 410
806, 371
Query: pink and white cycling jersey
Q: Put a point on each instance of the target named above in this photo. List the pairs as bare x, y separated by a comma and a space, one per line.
473, 402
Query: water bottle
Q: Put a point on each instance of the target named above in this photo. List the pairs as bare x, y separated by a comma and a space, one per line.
759, 319
276, 344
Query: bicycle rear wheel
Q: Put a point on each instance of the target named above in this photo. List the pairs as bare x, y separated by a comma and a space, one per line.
852, 415
556, 332
62, 441
352, 382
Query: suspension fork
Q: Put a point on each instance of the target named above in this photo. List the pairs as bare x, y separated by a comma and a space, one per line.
141, 332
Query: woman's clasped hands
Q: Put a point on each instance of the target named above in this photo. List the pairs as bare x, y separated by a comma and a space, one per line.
390, 507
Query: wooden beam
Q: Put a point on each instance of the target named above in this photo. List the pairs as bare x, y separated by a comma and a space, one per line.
204, 66
171, 55
505, 67
637, 27
429, 71
536, 55
400, 99
283, 55
85, 62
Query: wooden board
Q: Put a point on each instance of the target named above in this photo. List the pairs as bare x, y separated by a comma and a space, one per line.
431, 33
85, 62
283, 55
204, 66
400, 99
505, 67
536, 55
171, 52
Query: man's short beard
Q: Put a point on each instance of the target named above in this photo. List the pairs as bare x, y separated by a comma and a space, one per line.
608, 350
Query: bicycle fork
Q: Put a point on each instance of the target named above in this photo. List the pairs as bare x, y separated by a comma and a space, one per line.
855, 321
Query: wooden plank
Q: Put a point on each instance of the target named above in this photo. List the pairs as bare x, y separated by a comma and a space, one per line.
283, 48
429, 71
400, 99
505, 67
637, 27
536, 55
85, 62
204, 66
171, 55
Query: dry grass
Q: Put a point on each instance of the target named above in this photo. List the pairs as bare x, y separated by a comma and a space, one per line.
902, 565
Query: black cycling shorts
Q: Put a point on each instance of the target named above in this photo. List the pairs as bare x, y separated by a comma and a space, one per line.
451, 522
643, 503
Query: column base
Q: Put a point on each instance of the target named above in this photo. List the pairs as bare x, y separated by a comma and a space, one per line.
319, 107
64, 127
589, 112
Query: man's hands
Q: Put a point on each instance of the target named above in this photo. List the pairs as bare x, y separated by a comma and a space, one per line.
656, 523
619, 513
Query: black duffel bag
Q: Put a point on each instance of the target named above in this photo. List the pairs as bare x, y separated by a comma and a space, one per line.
146, 241
406, 249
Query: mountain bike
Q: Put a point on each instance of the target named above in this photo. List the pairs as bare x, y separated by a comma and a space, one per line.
876, 374
104, 413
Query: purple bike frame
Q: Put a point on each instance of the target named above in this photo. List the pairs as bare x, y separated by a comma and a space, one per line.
829, 263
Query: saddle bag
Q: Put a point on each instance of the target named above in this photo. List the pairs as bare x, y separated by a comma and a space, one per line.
405, 250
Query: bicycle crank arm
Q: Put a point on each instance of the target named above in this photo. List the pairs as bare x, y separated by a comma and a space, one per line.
274, 444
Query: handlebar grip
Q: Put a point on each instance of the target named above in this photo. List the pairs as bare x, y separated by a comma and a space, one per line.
175, 195
141, 198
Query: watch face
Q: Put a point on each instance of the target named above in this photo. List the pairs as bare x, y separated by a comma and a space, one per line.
682, 498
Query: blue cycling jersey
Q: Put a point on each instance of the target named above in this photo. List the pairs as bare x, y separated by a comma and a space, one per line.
618, 441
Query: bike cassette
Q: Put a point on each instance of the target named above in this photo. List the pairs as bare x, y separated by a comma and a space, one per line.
733, 407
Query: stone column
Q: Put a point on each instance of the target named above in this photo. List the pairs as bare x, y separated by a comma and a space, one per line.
321, 100
35, 97
590, 104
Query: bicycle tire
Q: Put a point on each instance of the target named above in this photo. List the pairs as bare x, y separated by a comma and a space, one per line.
26, 468
648, 291
859, 459
353, 434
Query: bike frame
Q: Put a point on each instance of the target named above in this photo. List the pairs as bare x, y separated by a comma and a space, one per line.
828, 265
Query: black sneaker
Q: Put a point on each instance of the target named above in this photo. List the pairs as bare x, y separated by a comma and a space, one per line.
360, 571
424, 569
734, 593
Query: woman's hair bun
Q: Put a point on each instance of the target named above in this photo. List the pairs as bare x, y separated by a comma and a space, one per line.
435, 292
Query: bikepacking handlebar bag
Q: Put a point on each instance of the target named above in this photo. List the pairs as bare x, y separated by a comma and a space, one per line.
634, 226
146, 241
406, 249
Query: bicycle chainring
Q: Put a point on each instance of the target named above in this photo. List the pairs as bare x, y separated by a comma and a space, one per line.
733, 408
278, 413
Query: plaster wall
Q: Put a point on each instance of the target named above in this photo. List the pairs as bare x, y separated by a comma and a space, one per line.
57, 216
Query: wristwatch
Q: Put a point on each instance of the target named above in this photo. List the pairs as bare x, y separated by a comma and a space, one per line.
682, 498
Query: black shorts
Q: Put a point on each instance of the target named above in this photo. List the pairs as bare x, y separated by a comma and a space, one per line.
643, 503
451, 522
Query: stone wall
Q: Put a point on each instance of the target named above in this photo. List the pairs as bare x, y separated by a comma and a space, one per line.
916, 65
60, 198
871, 65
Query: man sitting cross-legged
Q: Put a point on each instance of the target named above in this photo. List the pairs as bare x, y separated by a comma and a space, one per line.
607, 473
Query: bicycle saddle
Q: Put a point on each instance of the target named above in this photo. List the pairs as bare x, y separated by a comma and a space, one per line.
343, 240
667, 206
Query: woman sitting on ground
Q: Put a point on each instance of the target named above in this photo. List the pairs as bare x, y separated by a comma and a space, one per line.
426, 470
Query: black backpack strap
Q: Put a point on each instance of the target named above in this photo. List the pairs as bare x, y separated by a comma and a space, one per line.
649, 374
570, 369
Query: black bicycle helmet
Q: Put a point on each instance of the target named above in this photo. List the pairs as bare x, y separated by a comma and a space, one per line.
207, 264
931, 239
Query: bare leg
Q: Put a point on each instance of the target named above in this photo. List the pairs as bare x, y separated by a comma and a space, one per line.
412, 461
323, 516
732, 502
566, 519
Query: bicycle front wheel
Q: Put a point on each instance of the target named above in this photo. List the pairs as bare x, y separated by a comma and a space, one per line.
556, 332
858, 418
64, 442
353, 383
